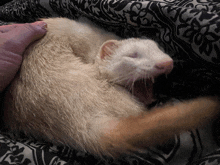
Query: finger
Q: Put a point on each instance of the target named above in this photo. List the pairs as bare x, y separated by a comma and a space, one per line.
22, 35
35, 31
7, 28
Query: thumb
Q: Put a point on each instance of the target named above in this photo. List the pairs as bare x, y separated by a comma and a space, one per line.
22, 35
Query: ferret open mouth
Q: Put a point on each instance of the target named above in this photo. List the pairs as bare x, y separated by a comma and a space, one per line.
143, 91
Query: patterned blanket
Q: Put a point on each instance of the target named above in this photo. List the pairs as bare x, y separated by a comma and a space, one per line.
189, 30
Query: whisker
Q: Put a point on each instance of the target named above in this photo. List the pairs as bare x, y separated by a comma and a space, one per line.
122, 78
177, 60
132, 87
135, 76
119, 79
147, 76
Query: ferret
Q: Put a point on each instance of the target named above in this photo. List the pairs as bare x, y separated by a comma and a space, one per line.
62, 95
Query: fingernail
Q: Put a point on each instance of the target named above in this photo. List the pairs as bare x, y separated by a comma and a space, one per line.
43, 25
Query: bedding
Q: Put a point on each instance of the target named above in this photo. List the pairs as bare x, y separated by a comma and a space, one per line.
189, 30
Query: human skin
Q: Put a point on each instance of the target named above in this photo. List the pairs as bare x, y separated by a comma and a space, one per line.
14, 39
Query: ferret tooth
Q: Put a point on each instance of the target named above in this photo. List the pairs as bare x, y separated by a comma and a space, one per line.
152, 79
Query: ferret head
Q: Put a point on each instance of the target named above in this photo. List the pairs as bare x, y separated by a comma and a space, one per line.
129, 60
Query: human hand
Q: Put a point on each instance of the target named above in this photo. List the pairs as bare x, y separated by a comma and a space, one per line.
13, 41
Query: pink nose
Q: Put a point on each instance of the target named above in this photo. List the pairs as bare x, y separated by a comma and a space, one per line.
166, 66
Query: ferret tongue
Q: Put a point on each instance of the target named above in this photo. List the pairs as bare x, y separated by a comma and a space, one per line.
143, 90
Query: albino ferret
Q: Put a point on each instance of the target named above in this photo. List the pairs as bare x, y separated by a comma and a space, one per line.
67, 92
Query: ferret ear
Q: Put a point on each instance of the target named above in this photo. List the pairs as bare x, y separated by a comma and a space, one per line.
108, 48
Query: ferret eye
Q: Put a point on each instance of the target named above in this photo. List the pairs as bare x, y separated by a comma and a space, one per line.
133, 55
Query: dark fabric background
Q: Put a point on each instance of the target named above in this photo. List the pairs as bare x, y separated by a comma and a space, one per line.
189, 30
4, 1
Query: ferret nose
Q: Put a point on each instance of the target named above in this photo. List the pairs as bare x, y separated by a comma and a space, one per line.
166, 66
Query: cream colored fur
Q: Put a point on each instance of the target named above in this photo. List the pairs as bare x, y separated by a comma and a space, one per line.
59, 96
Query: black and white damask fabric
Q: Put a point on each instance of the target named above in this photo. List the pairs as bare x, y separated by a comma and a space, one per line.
189, 30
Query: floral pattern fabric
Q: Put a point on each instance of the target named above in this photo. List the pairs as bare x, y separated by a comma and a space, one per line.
189, 30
